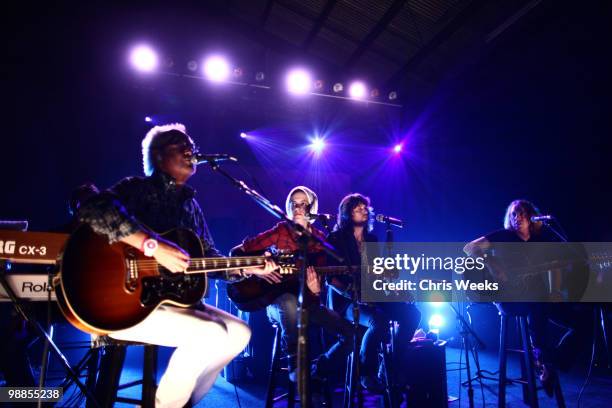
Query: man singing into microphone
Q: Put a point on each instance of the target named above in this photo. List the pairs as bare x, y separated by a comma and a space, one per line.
131, 212
349, 238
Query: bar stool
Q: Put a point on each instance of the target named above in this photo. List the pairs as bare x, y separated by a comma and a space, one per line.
276, 368
353, 389
111, 365
527, 380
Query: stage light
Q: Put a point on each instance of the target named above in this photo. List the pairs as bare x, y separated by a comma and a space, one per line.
398, 148
260, 76
392, 95
299, 81
436, 321
374, 93
437, 305
357, 90
216, 68
143, 58
317, 145
243, 135
318, 84
192, 66
238, 72
338, 87
148, 119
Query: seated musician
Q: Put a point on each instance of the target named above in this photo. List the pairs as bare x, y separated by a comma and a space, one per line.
518, 227
349, 237
300, 202
131, 212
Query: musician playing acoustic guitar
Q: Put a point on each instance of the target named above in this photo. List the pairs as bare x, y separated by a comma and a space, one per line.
300, 203
131, 212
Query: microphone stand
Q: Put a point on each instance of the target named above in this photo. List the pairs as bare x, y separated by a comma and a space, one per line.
305, 236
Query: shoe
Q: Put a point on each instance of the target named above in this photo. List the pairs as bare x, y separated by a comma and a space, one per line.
320, 368
546, 374
548, 378
372, 384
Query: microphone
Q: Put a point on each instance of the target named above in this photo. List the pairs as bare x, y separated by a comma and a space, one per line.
393, 221
540, 218
201, 158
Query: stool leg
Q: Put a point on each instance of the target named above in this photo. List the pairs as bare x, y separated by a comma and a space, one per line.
501, 395
559, 394
528, 358
149, 375
274, 365
92, 370
110, 374
348, 386
291, 395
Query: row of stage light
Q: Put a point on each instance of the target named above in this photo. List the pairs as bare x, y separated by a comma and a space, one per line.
298, 81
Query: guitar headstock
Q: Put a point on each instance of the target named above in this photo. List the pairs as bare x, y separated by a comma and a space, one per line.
285, 262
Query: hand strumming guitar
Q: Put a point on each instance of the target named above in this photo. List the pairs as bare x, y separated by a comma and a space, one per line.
166, 253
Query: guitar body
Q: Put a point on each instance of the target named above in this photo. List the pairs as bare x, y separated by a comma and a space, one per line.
103, 288
254, 294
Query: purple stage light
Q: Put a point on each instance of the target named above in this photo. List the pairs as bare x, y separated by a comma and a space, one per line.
299, 81
398, 148
357, 90
317, 145
243, 135
148, 119
143, 58
216, 68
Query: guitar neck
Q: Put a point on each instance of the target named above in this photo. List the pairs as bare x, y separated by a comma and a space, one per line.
338, 270
209, 265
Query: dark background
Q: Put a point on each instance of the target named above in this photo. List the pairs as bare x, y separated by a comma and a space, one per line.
523, 117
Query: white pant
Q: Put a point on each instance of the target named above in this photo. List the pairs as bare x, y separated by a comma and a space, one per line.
205, 343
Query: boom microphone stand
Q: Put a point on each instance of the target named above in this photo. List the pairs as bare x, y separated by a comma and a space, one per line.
303, 367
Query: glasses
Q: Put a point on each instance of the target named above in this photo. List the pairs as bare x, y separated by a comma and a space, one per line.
182, 147
300, 206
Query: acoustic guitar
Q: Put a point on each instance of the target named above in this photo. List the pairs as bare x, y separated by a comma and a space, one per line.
102, 287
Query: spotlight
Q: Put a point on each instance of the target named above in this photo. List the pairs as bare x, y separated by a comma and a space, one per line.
192, 66
436, 321
238, 72
299, 81
243, 135
398, 148
357, 90
318, 84
143, 58
317, 145
374, 93
148, 119
338, 87
216, 68
260, 76
392, 95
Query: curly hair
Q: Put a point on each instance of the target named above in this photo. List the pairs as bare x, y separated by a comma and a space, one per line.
156, 139
345, 211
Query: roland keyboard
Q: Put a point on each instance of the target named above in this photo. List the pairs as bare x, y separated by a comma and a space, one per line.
28, 286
